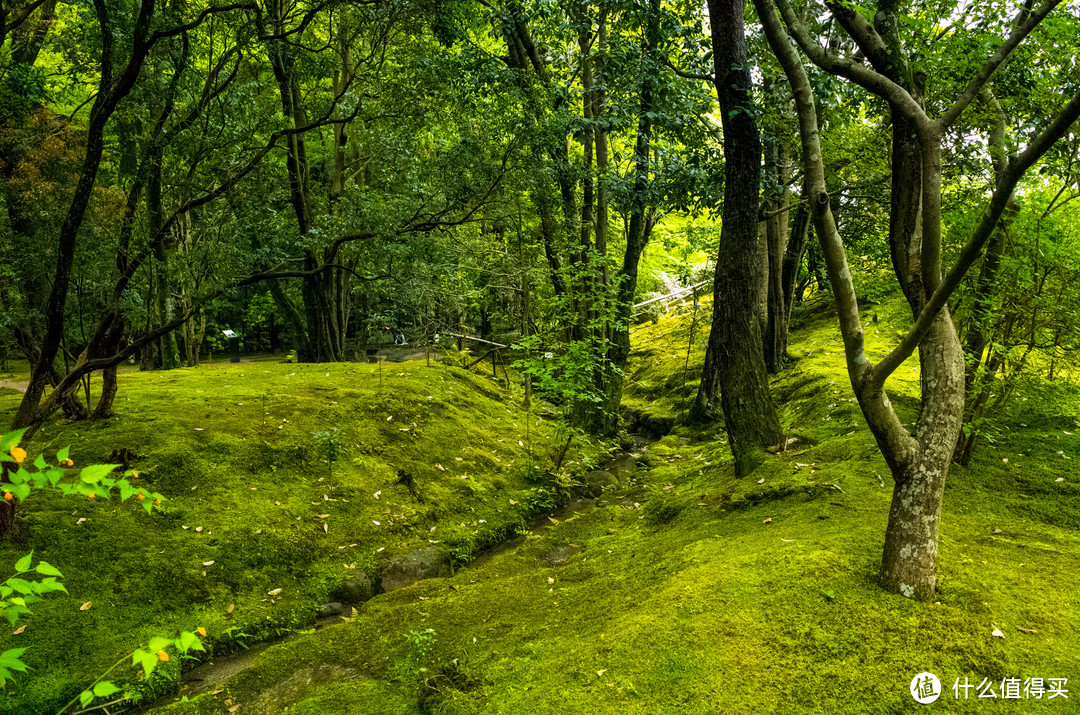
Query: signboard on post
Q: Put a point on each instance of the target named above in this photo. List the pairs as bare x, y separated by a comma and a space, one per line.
234, 344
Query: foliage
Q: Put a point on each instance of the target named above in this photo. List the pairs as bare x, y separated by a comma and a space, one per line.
92, 481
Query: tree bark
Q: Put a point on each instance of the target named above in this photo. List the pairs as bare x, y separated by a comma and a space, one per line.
735, 363
776, 225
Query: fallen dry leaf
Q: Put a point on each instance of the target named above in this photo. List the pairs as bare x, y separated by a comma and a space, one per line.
997, 633
1031, 631
86, 606
207, 563
766, 521
599, 673
231, 608
18, 630
234, 708
513, 502
274, 592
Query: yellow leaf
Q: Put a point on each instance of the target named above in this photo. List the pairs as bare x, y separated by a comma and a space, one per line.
86, 606
19, 630
18, 453
162, 656
201, 631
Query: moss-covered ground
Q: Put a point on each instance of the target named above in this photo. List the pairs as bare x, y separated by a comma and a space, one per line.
253, 506
685, 591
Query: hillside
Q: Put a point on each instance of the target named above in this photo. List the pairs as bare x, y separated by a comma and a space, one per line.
681, 590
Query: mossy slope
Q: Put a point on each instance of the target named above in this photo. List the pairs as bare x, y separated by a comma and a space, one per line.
253, 507
695, 592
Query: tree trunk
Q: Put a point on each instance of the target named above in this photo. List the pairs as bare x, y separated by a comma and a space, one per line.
909, 561
167, 347
793, 257
639, 228
735, 362
776, 225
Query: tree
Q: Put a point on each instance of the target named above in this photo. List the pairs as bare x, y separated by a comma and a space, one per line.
919, 460
734, 358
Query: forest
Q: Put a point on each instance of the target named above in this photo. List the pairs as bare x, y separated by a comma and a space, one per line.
539, 356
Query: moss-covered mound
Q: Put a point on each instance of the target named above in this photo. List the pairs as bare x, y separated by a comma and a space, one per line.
259, 529
691, 591
684, 590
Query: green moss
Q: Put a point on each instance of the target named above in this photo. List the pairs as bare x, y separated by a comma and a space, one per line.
231, 448
691, 591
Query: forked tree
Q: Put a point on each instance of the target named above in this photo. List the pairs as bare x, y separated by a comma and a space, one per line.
918, 459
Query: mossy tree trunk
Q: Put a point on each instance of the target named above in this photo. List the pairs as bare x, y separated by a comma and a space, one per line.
735, 362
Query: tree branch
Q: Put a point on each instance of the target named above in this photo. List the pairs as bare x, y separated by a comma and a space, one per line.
1020, 30
846, 67
1018, 166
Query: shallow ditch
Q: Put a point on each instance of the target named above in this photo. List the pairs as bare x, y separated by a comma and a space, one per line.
209, 676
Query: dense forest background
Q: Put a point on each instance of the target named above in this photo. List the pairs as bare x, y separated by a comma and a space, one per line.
329, 179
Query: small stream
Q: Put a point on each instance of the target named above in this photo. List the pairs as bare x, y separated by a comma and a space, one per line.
207, 677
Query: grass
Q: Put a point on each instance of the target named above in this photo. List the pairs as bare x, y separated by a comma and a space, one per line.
690, 591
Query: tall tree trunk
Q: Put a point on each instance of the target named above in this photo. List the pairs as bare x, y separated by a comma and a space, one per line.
735, 362
167, 347
639, 227
776, 225
793, 257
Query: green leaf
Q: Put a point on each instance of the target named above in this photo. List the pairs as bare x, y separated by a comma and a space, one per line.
21, 585
21, 491
94, 473
85, 698
23, 564
10, 659
149, 662
40, 463
104, 689
11, 439
62, 454
48, 569
158, 643
185, 640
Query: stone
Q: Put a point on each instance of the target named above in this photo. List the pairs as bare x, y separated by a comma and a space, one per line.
599, 481
356, 589
406, 569
331, 609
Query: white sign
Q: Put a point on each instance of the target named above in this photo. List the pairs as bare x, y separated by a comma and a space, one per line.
229, 333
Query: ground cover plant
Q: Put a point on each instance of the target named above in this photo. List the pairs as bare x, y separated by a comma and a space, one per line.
691, 590
253, 533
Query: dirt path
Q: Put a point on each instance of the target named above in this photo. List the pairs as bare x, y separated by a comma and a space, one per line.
15, 385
